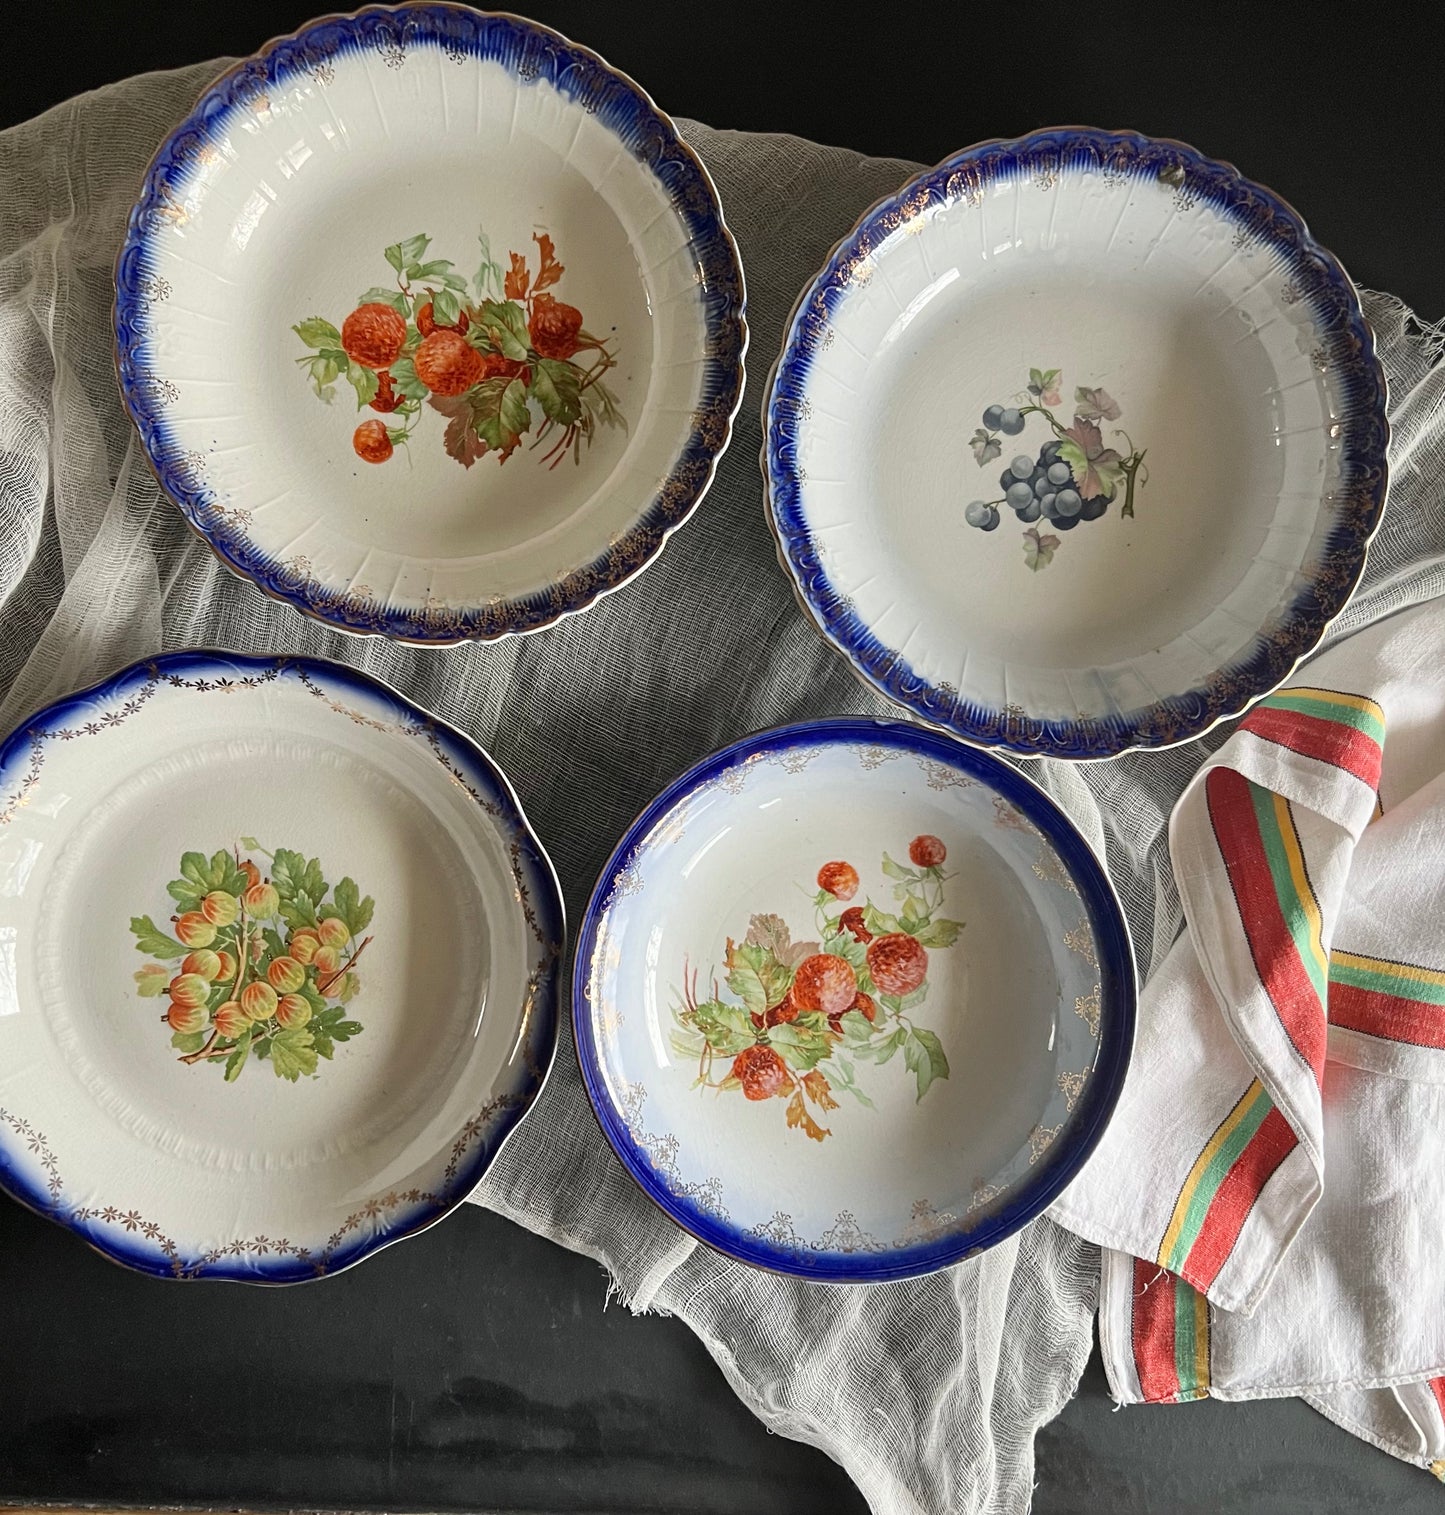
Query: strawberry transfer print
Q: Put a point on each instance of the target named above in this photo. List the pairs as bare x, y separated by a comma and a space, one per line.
499, 356
799, 1017
256, 966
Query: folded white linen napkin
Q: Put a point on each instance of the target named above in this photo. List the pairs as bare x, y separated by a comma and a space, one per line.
1271, 1192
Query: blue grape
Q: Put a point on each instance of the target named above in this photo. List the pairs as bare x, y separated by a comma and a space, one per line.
992, 416
1065, 523
1046, 503
1050, 451
992, 522
977, 513
1059, 473
1022, 467
1041, 483
1031, 512
1006, 478
1093, 508
1019, 494
1067, 502
1011, 423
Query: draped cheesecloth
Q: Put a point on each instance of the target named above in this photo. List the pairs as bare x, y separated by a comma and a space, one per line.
928, 1392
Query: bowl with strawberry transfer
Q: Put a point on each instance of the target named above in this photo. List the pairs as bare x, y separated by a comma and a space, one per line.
853, 1001
430, 323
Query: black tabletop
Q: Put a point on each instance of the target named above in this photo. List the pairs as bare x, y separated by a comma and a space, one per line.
477, 1367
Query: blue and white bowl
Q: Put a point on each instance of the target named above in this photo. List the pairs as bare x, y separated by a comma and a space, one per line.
430, 323
1076, 443
280, 958
853, 1001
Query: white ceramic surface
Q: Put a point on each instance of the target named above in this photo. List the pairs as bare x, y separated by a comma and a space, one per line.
1186, 417
422, 317
277, 1115
920, 1120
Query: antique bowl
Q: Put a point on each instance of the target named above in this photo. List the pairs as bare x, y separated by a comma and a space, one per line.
280, 961
853, 1001
1076, 443
430, 323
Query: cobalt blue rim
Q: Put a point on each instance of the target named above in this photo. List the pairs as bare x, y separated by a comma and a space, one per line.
1118, 997
128, 1247
532, 52
1349, 344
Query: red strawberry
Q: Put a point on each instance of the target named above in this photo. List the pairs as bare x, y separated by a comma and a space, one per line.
864, 1005
782, 1012
372, 442
373, 335
426, 323
927, 851
554, 327
386, 398
761, 1072
897, 962
851, 920
839, 879
447, 363
824, 982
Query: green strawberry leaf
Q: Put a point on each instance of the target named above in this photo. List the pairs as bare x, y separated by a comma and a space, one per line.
726, 1028
376, 296
315, 332
879, 923
849, 948
857, 1028
422, 272
150, 939
499, 412
237, 1060
940, 933
445, 308
557, 386
405, 381
488, 277
292, 1053
896, 870
801, 1045
923, 1052
505, 323
364, 382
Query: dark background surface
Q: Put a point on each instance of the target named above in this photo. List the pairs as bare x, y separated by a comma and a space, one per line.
476, 1367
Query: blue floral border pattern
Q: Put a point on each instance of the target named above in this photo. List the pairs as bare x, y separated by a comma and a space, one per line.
32, 1171
695, 1206
531, 53
1316, 278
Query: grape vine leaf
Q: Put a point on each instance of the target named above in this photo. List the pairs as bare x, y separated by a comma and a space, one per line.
1039, 548
499, 413
460, 439
1096, 404
550, 270
1096, 469
292, 1053
1044, 385
557, 386
798, 1116
151, 980
986, 447
923, 1052
150, 939
237, 1060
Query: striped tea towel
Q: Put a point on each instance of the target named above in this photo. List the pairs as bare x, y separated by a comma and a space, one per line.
1271, 1192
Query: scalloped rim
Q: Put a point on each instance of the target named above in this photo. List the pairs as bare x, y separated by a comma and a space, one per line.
727, 329
542, 1032
1162, 725
1118, 999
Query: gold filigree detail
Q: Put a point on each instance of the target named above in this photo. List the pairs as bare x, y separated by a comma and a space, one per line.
1011, 818
1049, 869
875, 756
1071, 1086
927, 1223
1040, 1139
1087, 1008
942, 776
1081, 940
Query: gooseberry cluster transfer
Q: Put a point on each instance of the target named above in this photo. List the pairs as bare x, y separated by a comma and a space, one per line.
256, 965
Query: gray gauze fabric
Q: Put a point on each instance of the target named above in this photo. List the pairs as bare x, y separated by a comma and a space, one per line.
929, 1392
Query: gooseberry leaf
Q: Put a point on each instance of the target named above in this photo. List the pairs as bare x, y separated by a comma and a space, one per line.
350, 907
184, 893
150, 939
188, 1041
151, 980
237, 1060
986, 447
292, 1053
